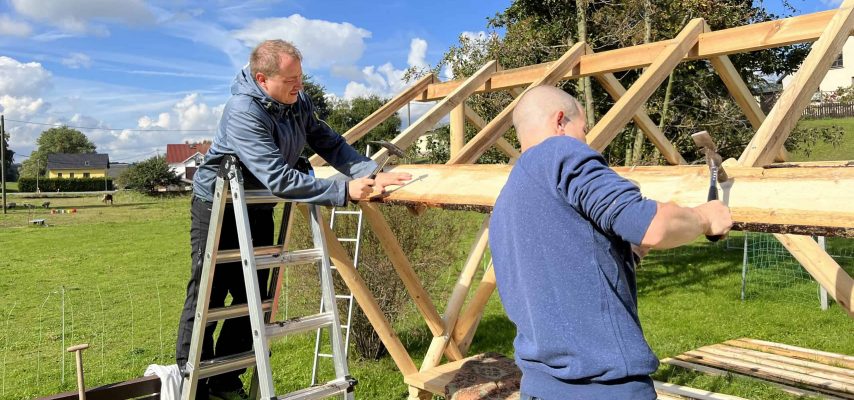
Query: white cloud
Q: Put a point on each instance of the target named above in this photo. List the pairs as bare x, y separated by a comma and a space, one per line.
479, 35
11, 27
77, 60
22, 79
322, 43
190, 113
77, 15
21, 108
417, 53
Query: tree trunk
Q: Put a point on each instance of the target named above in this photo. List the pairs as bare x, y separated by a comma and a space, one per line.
584, 86
663, 120
637, 153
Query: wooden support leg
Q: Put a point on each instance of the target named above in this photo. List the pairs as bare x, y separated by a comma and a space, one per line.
467, 325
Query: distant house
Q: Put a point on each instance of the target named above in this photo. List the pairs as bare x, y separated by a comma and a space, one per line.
841, 73
86, 165
184, 158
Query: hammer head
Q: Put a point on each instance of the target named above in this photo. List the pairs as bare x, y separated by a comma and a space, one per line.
704, 141
391, 147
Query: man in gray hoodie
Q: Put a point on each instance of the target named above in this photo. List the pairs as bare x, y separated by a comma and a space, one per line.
267, 122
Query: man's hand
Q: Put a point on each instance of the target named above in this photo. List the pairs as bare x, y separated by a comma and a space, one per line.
717, 218
360, 188
384, 179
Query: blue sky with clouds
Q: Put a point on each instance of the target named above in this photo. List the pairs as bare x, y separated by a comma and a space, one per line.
152, 72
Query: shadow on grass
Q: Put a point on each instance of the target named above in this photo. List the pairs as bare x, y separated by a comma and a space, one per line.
699, 267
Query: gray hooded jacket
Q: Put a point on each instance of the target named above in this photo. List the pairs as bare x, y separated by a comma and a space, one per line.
268, 137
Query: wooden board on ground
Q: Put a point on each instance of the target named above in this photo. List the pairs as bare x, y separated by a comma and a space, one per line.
818, 372
800, 199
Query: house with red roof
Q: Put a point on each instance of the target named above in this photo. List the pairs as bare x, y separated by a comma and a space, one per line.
184, 158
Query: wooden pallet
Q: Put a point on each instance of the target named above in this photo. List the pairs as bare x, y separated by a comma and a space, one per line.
794, 369
439, 380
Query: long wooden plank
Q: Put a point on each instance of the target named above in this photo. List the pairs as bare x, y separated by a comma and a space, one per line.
614, 88
783, 363
381, 114
691, 393
814, 200
429, 119
742, 95
407, 274
720, 372
794, 352
366, 300
842, 373
628, 105
769, 373
794, 99
435, 379
771, 34
132, 389
495, 128
822, 267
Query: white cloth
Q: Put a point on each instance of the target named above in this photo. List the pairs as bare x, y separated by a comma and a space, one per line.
170, 380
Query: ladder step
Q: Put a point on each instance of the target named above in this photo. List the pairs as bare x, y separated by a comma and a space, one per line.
221, 313
347, 212
257, 197
343, 296
299, 325
347, 239
221, 365
332, 388
327, 355
265, 261
233, 255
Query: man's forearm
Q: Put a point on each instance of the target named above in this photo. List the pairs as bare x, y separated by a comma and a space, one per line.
674, 226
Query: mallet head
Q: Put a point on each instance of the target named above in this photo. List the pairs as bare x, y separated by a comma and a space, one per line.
391, 147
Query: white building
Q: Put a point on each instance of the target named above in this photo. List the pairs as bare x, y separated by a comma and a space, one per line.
184, 158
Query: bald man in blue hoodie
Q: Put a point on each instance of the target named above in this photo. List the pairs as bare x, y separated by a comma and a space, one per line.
267, 122
565, 235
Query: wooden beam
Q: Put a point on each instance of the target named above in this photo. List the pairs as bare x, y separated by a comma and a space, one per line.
381, 114
428, 120
458, 128
489, 134
407, 274
795, 199
628, 105
822, 267
613, 86
794, 99
742, 96
470, 319
765, 35
502, 143
365, 299
458, 297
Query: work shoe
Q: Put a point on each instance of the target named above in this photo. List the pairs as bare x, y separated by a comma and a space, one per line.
238, 394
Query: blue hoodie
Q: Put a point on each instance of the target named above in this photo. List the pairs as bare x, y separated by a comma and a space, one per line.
560, 238
268, 137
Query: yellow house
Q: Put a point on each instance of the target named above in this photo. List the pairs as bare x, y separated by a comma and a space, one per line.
86, 165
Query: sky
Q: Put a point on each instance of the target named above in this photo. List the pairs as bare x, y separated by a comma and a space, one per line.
135, 75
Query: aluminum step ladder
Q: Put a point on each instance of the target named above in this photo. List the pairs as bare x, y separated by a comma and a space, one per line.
230, 184
347, 299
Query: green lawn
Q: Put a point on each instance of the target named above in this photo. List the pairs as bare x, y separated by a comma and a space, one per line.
11, 187
825, 151
119, 274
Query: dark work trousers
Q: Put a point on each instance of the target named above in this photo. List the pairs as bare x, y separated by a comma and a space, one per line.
235, 336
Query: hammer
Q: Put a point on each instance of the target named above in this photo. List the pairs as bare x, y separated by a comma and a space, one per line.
392, 148
704, 141
78, 351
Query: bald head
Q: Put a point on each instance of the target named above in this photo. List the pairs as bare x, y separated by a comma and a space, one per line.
546, 111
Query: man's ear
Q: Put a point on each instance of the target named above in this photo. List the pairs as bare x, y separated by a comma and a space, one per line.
261, 79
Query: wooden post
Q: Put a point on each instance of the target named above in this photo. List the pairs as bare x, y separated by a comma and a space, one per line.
489, 134
469, 320
795, 98
624, 109
458, 128
502, 143
613, 86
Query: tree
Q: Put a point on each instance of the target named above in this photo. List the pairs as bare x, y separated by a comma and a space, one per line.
55, 140
11, 173
318, 96
149, 175
346, 114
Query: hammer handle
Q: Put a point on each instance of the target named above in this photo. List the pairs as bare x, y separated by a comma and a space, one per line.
713, 195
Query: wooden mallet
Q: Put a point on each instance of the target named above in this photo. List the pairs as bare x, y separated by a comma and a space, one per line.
78, 352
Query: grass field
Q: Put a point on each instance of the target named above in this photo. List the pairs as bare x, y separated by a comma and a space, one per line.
114, 277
